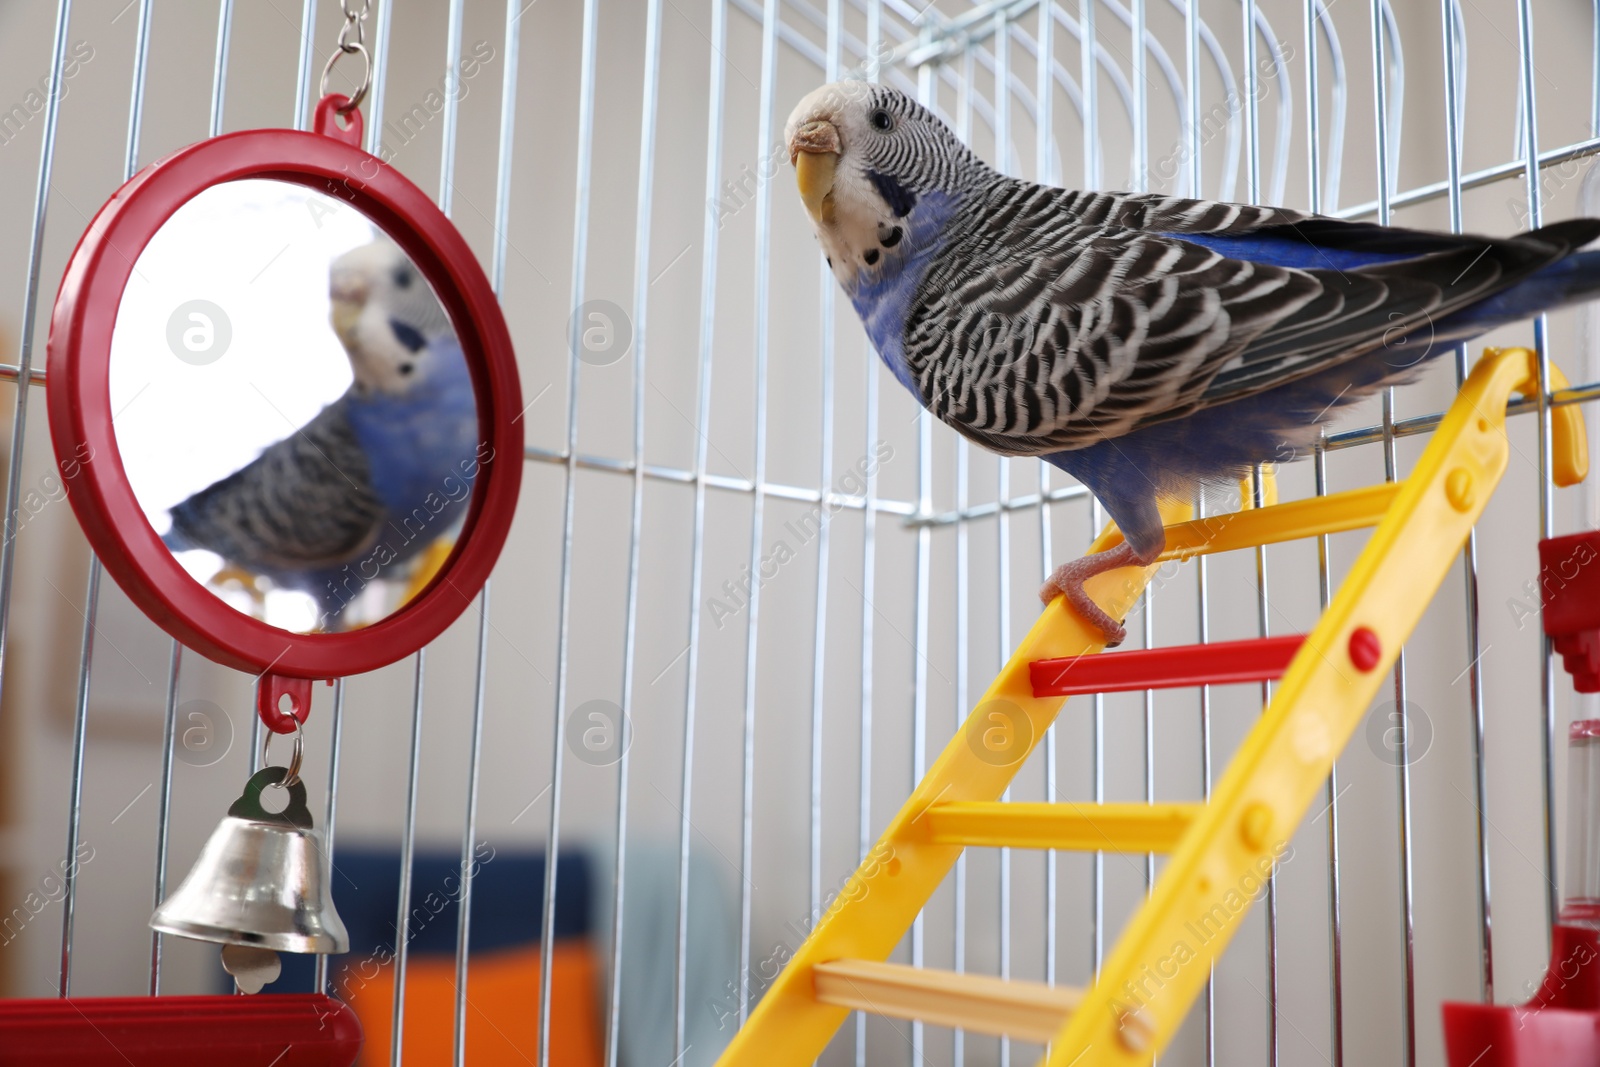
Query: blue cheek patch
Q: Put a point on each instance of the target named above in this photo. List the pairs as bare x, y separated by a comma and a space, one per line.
900, 199
407, 335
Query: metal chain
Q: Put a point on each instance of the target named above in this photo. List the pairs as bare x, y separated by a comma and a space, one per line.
355, 26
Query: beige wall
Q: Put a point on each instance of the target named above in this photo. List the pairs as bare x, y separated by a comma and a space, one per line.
130, 658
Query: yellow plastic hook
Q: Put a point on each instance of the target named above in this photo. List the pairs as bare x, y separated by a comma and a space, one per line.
1569, 442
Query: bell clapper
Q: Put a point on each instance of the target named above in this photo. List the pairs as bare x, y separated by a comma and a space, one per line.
251, 967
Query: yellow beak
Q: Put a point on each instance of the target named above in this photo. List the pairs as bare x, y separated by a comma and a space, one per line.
344, 314
814, 150
814, 172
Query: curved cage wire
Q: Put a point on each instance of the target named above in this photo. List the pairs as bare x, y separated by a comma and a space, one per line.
744, 540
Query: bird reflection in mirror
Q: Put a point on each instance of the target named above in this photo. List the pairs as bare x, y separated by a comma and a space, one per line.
360, 506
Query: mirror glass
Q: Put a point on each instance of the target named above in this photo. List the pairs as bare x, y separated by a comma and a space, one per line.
292, 407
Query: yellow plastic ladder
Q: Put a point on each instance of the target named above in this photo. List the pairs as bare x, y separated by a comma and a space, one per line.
1219, 850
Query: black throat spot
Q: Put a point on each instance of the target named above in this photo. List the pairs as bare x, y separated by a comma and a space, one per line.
900, 199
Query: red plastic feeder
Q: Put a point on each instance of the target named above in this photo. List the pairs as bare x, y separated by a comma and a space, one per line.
1560, 1026
1569, 593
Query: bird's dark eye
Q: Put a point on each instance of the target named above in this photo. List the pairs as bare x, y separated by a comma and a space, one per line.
881, 120
407, 368
402, 277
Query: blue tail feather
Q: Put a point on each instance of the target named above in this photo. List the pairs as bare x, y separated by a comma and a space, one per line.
1566, 281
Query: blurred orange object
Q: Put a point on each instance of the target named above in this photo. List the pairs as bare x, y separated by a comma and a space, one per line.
502, 1007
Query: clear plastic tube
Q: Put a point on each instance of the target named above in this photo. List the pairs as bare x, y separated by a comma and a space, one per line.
1581, 906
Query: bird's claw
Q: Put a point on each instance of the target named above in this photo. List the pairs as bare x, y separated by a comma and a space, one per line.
1067, 580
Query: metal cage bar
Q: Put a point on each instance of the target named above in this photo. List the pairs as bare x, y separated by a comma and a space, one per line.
708, 287
580, 251
1547, 708
1316, 16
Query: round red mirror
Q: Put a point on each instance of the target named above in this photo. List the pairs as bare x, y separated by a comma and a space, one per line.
285, 405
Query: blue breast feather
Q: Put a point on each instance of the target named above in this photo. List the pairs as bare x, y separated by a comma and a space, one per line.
421, 448
417, 441
422, 452
882, 296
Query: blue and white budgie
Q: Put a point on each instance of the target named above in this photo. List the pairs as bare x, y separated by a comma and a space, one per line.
376, 476
1143, 344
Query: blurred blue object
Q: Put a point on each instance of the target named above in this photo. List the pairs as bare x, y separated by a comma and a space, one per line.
650, 954
507, 905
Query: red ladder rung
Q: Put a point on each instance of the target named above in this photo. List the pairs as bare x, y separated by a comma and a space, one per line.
1259, 659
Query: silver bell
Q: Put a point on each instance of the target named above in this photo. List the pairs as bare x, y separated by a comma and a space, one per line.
261, 884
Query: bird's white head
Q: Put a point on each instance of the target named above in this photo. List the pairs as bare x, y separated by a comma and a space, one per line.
385, 315
865, 155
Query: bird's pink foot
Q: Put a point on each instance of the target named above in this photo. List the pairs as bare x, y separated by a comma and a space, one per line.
1068, 581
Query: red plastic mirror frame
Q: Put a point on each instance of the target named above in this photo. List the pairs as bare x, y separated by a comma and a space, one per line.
329, 160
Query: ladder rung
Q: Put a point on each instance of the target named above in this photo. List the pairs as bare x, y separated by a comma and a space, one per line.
974, 1002
1069, 827
1350, 510
1221, 663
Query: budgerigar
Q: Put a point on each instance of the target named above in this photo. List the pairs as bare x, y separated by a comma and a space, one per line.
376, 476
1144, 344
